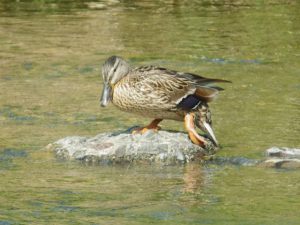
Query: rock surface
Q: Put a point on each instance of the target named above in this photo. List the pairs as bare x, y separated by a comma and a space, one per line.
283, 152
281, 163
164, 147
109, 148
287, 158
234, 161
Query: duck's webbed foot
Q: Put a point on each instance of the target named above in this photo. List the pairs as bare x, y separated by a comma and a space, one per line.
190, 127
152, 126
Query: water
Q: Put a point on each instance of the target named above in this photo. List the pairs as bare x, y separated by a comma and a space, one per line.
50, 58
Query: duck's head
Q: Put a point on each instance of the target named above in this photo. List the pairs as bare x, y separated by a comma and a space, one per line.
113, 70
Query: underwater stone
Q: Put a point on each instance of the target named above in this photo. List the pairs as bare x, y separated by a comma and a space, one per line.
284, 163
282, 157
117, 148
283, 152
235, 161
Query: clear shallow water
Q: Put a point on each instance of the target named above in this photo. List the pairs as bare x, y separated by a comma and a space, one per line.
50, 57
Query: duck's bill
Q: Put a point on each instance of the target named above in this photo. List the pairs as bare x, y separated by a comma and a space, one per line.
105, 97
210, 132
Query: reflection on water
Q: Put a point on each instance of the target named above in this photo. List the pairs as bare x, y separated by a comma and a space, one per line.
50, 58
193, 178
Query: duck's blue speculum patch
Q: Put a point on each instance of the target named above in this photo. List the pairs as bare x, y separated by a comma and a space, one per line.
189, 102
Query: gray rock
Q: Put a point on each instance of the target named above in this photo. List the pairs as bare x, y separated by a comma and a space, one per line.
109, 148
235, 161
283, 152
281, 163
283, 157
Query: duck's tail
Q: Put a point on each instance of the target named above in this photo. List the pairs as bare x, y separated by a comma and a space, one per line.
203, 121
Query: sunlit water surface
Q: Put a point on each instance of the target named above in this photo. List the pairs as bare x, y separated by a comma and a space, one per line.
50, 58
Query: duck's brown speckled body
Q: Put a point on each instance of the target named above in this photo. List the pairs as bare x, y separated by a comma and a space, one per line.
160, 93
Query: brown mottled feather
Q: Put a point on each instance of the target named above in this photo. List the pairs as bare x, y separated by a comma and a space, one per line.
150, 90
206, 94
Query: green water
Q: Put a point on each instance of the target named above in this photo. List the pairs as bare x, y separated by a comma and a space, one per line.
50, 57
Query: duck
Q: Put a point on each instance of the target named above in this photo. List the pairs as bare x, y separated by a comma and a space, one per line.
160, 93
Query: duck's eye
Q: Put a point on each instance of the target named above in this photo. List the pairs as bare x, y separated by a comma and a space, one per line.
115, 69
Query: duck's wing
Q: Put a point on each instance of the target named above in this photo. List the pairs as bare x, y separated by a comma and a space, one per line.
172, 89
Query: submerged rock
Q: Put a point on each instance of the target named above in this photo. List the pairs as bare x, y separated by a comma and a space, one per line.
284, 163
283, 152
288, 158
107, 148
235, 161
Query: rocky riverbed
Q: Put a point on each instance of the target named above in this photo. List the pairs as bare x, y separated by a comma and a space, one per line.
163, 147
123, 147
284, 157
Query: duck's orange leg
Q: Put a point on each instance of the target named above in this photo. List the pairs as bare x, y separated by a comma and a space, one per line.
152, 126
190, 127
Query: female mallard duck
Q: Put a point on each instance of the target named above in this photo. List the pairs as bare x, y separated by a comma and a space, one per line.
160, 93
